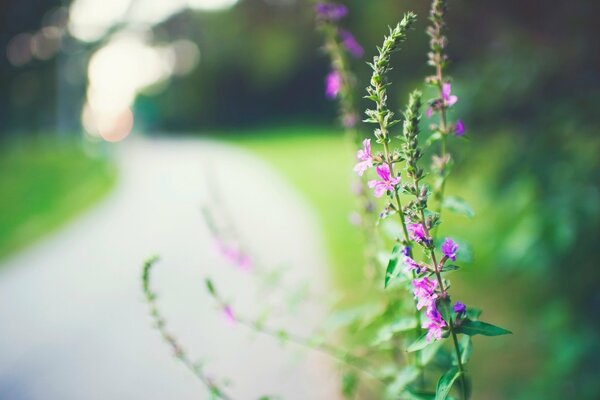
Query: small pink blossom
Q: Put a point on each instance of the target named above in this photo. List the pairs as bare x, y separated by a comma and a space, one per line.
351, 44
386, 183
229, 315
244, 262
429, 112
424, 291
434, 324
459, 128
416, 232
333, 84
411, 265
447, 96
449, 249
365, 157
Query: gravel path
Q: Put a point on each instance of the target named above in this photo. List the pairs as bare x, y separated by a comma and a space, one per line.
73, 324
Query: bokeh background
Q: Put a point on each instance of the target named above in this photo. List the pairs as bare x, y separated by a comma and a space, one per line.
79, 79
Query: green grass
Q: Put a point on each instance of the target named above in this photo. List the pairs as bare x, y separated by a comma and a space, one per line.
44, 185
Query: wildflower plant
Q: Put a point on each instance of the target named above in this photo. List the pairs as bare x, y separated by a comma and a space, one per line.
401, 177
414, 340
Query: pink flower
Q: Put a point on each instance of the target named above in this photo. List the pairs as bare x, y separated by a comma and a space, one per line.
429, 112
424, 291
449, 249
411, 265
351, 44
228, 315
244, 262
365, 157
459, 128
434, 324
447, 96
416, 232
333, 84
386, 183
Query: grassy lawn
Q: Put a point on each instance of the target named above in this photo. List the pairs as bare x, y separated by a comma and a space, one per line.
44, 185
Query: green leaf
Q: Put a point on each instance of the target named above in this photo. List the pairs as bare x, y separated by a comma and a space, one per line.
210, 287
471, 328
450, 267
419, 344
349, 384
391, 267
458, 205
445, 308
465, 345
473, 313
429, 352
445, 383
418, 395
402, 379
386, 332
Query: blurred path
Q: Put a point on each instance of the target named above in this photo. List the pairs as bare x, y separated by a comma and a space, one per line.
73, 325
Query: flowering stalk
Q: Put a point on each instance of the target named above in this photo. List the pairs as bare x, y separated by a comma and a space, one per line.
340, 355
340, 84
431, 295
384, 118
160, 324
437, 58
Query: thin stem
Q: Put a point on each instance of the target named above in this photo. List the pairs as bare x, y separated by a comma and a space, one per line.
444, 294
418, 363
340, 355
170, 339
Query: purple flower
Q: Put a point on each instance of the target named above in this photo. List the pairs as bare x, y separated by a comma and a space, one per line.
459, 308
228, 315
331, 11
244, 262
424, 291
416, 232
434, 324
333, 84
429, 112
447, 96
351, 44
365, 157
459, 128
449, 249
386, 183
411, 265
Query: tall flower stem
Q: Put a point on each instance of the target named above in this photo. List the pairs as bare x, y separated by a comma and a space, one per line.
178, 351
438, 59
444, 294
383, 117
340, 355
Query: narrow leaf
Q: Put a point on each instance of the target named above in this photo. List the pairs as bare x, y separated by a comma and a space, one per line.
391, 267
402, 379
466, 348
444, 307
445, 383
472, 328
430, 352
419, 344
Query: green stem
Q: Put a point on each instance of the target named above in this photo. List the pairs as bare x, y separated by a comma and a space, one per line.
340, 355
418, 363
